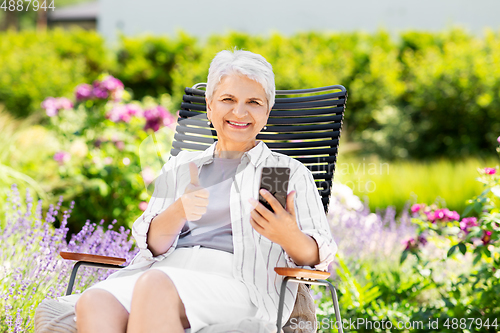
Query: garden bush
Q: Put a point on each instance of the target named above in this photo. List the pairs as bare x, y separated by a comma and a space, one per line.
421, 95
37, 64
106, 156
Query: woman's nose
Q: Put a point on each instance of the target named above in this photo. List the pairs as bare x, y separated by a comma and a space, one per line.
240, 110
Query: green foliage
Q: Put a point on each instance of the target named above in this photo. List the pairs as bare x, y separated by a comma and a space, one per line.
36, 65
20, 154
421, 96
392, 183
105, 156
475, 235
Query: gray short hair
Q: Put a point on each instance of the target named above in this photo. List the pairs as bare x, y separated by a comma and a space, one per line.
252, 65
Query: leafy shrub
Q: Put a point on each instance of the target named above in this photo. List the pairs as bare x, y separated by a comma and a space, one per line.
476, 236
104, 139
421, 96
36, 65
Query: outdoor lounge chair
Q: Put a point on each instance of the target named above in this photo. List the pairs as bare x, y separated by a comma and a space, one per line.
306, 128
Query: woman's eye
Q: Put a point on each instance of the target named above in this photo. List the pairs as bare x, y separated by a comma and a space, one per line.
227, 99
255, 102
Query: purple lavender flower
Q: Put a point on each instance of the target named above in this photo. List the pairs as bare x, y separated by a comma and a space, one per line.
83, 92
62, 157
32, 269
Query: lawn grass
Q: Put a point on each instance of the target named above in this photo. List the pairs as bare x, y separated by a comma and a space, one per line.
395, 183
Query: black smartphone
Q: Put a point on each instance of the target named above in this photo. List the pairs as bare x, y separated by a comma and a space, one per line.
275, 180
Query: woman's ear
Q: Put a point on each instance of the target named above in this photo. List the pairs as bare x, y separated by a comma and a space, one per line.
209, 111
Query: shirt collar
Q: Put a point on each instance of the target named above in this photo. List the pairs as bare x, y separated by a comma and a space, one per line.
256, 155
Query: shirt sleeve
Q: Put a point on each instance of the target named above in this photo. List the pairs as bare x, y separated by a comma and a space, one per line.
163, 196
311, 218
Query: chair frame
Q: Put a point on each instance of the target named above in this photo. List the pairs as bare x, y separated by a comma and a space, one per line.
298, 275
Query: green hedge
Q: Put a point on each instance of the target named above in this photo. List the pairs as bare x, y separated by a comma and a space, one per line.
423, 95
36, 65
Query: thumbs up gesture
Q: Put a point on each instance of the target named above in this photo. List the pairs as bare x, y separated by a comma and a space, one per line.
195, 198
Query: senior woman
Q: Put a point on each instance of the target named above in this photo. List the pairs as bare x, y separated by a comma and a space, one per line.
208, 248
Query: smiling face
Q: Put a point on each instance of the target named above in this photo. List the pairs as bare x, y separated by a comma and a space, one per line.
238, 111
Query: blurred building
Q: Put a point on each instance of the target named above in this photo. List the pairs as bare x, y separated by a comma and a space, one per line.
202, 18
82, 15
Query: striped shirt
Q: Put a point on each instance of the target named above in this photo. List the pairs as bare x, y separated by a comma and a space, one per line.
255, 256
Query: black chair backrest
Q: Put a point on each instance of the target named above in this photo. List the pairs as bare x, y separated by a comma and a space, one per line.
306, 128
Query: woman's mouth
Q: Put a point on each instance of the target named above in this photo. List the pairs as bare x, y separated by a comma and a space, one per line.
237, 125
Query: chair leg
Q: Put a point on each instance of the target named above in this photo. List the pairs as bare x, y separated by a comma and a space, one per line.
72, 277
335, 305
281, 303
86, 263
333, 291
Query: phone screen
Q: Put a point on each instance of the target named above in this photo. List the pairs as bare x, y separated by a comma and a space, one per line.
275, 180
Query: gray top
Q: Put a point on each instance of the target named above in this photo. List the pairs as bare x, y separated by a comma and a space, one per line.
213, 229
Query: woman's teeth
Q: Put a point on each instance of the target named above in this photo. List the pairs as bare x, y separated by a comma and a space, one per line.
237, 124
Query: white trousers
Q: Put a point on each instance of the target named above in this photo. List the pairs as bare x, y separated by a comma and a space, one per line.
204, 281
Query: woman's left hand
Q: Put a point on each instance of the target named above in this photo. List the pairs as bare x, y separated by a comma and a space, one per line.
278, 227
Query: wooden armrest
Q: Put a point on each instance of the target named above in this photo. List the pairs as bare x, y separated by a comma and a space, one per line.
301, 273
92, 258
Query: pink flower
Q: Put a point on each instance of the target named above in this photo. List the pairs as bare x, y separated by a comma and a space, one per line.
64, 103
143, 205
467, 223
108, 87
498, 140
452, 215
443, 215
83, 92
431, 216
134, 110
124, 113
422, 240
53, 105
440, 214
50, 106
62, 157
99, 92
490, 171
110, 83
410, 244
148, 175
120, 145
486, 237
416, 207
157, 117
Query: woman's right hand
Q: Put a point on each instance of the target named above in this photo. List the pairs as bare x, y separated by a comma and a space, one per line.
195, 198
